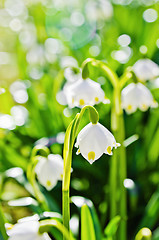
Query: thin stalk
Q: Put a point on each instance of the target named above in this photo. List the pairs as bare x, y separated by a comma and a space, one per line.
118, 192
70, 136
66, 209
2, 225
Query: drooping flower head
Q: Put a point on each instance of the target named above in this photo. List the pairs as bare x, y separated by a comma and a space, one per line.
94, 140
26, 229
145, 69
49, 170
85, 92
137, 96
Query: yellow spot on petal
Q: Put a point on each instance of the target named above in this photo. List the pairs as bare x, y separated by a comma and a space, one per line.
109, 150
61, 176
9, 226
81, 102
91, 155
73, 100
144, 106
129, 107
48, 183
96, 99
78, 151
154, 104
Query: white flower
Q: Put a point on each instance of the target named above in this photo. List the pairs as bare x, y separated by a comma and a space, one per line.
84, 92
26, 230
49, 170
137, 96
145, 69
71, 74
94, 140
2, 90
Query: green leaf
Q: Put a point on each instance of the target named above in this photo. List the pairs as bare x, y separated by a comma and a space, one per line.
87, 227
112, 226
79, 202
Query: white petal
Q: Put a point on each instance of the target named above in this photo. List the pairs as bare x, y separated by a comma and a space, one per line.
93, 140
49, 170
84, 92
145, 69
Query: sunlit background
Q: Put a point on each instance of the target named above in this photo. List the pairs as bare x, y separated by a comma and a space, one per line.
39, 42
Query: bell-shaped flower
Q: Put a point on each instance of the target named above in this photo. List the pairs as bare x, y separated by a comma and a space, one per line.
49, 170
94, 140
137, 96
26, 230
85, 92
145, 69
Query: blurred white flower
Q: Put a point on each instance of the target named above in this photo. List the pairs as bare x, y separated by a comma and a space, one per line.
71, 74
137, 96
68, 61
94, 140
26, 230
97, 10
145, 69
84, 92
2, 90
49, 170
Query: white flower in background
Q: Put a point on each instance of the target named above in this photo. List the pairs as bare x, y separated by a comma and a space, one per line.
84, 92
137, 96
99, 10
49, 170
68, 61
2, 90
145, 69
26, 230
94, 140
71, 74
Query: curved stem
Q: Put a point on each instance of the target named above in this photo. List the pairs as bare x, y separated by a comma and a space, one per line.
125, 78
46, 224
112, 76
31, 177
70, 136
31, 174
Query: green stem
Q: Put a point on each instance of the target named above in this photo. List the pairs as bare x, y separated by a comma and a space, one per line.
113, 78
45, 226
70, 136
66, 208
44, 151
118, 198
2, 225
38, 194
125, 78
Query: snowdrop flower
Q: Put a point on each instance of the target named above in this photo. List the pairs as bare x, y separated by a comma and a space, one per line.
84, 92
145, 69
72, 74
26, 230
137, 96
94, 140
49, 170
